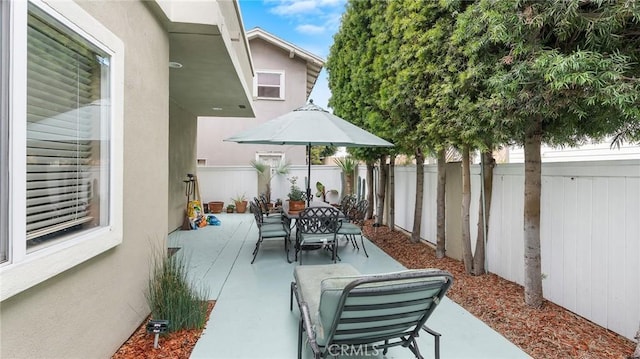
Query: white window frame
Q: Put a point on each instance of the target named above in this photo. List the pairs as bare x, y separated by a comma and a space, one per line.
272, 164
5, 7
282, 84
25, 269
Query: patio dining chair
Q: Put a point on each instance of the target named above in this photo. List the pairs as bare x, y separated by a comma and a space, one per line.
353, 227
269, 230
317, 227
343, 312
346, 205
267, 217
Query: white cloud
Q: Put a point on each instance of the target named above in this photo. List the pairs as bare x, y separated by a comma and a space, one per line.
308, 29
291, 8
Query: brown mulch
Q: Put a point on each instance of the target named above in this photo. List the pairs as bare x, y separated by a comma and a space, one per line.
548, 332
175, 345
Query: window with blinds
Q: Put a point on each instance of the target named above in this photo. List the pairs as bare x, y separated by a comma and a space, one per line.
270, 84
67, 132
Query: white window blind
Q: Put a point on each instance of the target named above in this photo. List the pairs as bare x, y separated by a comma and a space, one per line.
67, 106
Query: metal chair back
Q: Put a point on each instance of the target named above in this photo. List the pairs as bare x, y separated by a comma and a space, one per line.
318, 220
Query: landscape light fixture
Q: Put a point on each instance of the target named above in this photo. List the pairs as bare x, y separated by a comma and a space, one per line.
157, 327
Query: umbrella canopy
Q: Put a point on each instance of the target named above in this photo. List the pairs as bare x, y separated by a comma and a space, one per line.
309, 125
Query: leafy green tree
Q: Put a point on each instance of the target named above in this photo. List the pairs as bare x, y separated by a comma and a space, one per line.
354, 86
458, 105
319, 153
561, 72
411, 52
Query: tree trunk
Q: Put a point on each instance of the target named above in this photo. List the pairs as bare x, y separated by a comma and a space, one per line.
382, 185
479, 255
440, 210
467, 257
370, 189
532, 184
417, 212
392, 197
348, 183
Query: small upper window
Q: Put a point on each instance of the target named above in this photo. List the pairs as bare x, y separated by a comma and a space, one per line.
269, 85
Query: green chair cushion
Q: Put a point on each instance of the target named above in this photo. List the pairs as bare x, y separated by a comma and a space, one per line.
331, 291
349, 228
308, 279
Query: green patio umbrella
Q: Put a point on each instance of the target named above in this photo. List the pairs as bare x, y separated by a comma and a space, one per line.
310, 125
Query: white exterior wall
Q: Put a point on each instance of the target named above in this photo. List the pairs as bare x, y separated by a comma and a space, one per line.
590, 233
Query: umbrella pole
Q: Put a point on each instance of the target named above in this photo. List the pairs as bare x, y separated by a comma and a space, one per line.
308, 175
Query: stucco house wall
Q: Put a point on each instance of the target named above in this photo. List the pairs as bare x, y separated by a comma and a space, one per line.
181, 156
212, 130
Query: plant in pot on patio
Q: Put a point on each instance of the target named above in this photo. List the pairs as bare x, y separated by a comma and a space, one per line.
231, 208
240, 203
216, 206
296, 196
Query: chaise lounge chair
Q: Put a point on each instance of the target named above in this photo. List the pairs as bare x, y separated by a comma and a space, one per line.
344, 313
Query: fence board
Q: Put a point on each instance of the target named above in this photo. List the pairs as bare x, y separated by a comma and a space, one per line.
599, 247
584, 254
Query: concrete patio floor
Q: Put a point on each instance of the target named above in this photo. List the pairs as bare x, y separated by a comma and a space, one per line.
251, 318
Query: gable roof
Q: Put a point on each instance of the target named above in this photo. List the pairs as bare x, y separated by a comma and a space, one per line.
314, 62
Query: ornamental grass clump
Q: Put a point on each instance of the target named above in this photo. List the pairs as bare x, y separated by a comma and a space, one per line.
172, 296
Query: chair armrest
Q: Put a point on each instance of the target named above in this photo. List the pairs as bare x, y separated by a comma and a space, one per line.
306, 320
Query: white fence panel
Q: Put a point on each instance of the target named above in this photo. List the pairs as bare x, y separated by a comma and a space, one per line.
428, 229
506, 222
221, 183
405, 179
589, 236
328, 175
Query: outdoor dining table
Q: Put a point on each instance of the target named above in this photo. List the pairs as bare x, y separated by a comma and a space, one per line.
292, 217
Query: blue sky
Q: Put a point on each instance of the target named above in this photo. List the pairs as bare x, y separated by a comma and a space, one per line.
309, 24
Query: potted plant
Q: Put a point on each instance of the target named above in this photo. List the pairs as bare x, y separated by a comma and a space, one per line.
216, 206
240, 203
296, 196
322, 191
230, 208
